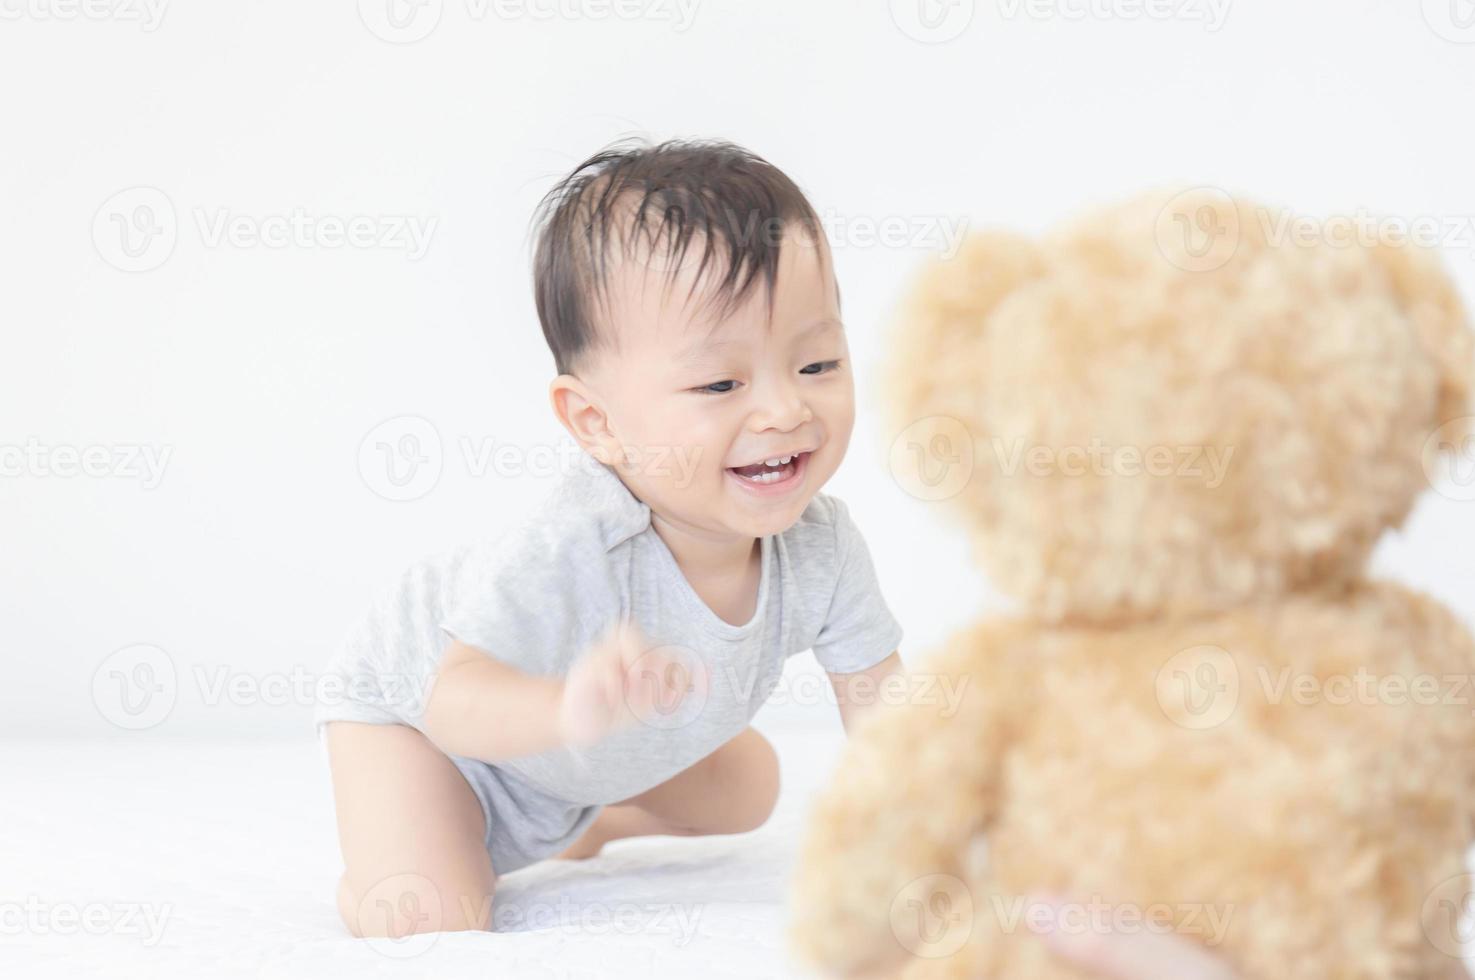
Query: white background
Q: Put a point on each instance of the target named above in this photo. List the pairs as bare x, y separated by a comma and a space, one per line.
261, 370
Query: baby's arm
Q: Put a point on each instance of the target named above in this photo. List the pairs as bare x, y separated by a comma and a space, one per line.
856, 692
482, 708
858, 626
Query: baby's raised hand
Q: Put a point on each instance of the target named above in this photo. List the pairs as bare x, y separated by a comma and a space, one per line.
623, 679
1134, 955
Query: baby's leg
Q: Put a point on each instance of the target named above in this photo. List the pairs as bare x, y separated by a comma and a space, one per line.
412, 835
730, 791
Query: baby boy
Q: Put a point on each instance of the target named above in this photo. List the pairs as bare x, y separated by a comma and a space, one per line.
590, 673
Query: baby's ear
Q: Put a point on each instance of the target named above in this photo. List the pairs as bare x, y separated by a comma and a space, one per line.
1431, 301
938, 349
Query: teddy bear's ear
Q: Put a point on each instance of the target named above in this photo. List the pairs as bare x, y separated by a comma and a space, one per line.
1431, 302
939, 361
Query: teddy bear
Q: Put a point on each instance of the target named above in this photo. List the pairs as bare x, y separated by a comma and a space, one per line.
1173, 431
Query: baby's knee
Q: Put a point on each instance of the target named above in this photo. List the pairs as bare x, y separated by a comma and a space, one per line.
406, 904
760, 782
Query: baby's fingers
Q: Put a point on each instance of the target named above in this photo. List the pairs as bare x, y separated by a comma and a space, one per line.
1132, 956
661, 682
630, 643
591, 701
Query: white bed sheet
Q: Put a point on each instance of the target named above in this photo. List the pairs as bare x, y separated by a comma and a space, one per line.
230, 848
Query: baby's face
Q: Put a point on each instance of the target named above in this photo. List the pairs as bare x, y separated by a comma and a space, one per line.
697, 403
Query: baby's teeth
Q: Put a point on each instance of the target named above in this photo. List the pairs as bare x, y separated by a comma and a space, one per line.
772, 475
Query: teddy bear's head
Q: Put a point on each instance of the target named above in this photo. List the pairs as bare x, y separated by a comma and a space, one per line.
1178, 404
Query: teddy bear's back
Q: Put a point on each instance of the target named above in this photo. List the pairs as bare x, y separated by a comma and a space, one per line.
1284, 770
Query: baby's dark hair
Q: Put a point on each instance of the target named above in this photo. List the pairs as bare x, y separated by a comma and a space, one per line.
737, 202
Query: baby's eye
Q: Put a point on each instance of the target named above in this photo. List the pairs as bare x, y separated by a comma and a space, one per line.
715, 388
819, 367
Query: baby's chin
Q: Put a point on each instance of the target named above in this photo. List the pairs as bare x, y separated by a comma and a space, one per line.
719, 517
721, 500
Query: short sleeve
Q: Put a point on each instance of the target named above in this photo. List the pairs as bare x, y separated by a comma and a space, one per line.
527, 602
859, 630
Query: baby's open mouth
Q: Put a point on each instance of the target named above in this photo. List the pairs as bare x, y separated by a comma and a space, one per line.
770, 471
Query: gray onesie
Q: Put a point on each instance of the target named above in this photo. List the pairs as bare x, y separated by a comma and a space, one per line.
539, 593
